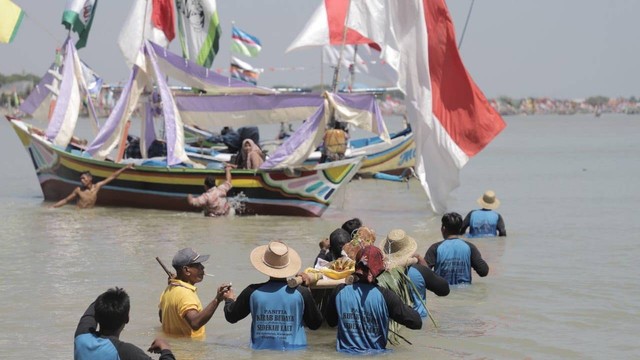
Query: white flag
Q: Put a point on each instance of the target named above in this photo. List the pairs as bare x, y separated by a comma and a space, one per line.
136, 29
450, 117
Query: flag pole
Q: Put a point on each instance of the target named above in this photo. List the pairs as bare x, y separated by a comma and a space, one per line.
464, 30
233, 24
336, 72
352, 68
321, 69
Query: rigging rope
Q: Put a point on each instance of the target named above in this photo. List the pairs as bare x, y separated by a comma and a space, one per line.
464, 30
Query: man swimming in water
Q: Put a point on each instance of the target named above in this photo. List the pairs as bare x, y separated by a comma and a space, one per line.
87, 194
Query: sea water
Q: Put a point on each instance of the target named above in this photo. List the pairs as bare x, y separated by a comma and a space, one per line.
562, 285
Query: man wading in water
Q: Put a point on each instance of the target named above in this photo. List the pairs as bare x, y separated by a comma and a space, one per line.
87, 194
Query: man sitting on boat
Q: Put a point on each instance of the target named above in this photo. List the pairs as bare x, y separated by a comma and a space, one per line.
214, 199
87, 194
335, 144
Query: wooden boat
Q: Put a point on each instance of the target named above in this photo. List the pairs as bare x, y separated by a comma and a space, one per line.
302, 191
283, 185
379, 156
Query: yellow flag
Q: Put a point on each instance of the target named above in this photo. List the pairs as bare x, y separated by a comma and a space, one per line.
10, 18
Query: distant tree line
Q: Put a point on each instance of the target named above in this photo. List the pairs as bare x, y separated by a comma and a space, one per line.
7, 97
8, 79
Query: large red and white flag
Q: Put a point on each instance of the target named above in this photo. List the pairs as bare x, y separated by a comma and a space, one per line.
450, 117
326, 27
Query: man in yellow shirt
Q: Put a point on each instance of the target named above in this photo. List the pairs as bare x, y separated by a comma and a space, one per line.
180, 310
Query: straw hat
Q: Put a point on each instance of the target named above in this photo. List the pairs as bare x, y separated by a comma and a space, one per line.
276, 260
488, 200
398, 247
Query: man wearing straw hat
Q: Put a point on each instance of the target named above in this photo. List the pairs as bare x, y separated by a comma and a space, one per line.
278, 312
180, 310
453, 258
400, 250
362, 309
485, 222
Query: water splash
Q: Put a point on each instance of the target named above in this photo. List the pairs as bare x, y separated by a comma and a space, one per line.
238, 202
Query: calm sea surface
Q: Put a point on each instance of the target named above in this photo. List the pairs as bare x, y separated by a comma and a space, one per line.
562, 285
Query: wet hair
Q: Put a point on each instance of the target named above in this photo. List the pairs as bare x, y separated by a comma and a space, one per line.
351, 226
112, 309
338, 238
87, 173
210, 181
452, 222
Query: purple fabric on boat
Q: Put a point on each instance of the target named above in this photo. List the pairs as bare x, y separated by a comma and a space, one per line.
114, 118
307, 131
38, 95
168, 110
149, 127
356, 101
229, 103
40, 92
66, 87
363, 102
190, 68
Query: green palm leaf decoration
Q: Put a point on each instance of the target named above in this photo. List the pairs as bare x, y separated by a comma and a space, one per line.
397, 281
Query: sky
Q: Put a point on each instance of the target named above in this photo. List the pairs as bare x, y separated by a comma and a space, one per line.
567, 49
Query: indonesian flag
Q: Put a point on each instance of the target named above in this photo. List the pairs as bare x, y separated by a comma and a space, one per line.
164, 16
450, 117
326, 27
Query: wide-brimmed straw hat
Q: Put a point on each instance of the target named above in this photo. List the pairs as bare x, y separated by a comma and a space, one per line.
398, 247
488, 200
276, 260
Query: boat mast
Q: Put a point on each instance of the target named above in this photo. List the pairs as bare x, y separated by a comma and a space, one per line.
352, 68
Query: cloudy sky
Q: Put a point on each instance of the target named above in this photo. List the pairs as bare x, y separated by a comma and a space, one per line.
556, 48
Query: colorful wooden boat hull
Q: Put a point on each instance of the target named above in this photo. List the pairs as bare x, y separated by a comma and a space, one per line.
390, 159
305, 191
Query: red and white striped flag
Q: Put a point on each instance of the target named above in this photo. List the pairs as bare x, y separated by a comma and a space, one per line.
450, 117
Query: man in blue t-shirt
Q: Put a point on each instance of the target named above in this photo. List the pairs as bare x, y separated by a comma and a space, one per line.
485, 222
362, 310
453, 258
279, 313
111, 312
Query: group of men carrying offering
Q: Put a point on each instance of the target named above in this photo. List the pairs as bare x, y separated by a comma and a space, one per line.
361, 308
